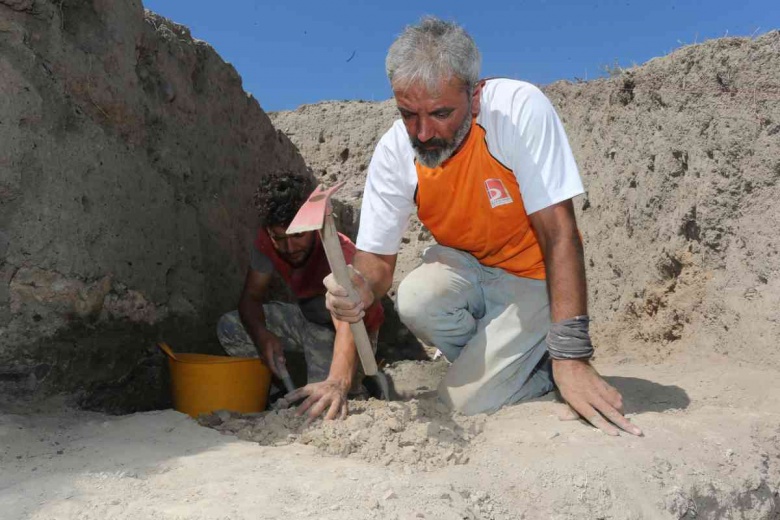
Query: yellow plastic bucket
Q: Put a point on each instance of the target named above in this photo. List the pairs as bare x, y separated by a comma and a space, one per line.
201, 383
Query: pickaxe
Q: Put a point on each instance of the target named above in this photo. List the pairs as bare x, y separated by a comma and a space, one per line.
316, 214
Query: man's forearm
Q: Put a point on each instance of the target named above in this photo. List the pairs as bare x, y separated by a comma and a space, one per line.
564, 261
377, 270
345, 357
566, 283
253, 318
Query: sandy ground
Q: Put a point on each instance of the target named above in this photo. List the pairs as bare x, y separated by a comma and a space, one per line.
680, 160
711, 450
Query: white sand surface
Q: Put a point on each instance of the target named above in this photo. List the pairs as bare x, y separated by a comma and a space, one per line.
710, 450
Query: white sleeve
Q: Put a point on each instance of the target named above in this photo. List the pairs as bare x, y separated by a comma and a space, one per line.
388, 198
534, 143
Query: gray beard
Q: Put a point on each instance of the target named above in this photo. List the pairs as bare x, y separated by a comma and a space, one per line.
434, 158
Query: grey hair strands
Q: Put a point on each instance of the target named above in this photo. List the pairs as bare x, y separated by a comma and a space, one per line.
430, 52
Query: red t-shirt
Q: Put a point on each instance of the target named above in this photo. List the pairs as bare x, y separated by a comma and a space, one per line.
306, 281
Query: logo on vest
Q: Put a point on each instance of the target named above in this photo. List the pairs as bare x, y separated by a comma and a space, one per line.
497, 193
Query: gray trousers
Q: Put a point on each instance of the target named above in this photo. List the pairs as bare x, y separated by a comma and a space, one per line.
490, 324
296, 333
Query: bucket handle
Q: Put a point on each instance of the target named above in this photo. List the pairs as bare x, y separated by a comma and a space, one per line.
165, 348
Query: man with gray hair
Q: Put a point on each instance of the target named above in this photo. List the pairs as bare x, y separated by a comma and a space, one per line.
488, 168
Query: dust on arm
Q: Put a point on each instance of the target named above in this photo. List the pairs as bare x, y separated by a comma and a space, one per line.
580, 385
371, 275
250, 310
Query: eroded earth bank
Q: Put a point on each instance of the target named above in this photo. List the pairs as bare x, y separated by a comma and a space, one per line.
129, 156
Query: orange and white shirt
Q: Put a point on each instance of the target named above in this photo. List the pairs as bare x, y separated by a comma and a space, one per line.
515, 161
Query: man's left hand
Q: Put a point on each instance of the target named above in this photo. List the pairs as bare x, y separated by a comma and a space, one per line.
589, 395
330, 395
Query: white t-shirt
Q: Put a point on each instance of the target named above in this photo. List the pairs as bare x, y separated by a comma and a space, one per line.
523, 132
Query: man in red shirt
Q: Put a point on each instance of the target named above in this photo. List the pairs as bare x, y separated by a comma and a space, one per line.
269, 328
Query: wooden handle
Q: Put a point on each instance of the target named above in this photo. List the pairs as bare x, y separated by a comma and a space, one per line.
332, 245
165, 348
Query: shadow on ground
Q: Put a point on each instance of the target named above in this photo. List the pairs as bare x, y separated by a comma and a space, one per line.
641, 395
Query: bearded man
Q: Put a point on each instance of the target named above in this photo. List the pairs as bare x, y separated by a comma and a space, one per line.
265, 328
488, 168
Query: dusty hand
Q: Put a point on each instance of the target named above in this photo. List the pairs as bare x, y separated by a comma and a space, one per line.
272, 352
590, 396
330, 395
337, 298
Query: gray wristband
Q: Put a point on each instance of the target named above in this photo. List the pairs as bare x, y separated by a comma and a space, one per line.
569, 339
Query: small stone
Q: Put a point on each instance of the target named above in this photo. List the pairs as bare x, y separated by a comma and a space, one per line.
420, 515
168, 92
223, 415
554, 435
389, 495
394, 424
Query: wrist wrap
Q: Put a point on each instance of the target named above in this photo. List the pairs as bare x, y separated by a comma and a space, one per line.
569, 339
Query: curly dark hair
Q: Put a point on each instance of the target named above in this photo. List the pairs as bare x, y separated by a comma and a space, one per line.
280, 195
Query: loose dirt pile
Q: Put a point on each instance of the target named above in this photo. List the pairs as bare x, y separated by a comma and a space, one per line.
418, 434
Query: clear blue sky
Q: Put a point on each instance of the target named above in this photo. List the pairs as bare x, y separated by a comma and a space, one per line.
292, 52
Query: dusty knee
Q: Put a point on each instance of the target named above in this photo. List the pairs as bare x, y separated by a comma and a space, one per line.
473, 395
222, 325
417, 297
467, 399
227, 324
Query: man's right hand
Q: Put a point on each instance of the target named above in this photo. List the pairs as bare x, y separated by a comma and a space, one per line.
337, 298
271, 351
595, 400
327, 398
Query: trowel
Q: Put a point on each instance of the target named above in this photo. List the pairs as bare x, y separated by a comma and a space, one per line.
284, 375
289, 387
316, 214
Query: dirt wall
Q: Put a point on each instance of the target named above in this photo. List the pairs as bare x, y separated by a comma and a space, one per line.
129, 156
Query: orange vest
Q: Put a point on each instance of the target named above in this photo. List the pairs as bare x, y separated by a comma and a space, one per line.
472, 202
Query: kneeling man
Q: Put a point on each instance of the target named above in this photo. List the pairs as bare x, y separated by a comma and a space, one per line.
488, 168
269, 328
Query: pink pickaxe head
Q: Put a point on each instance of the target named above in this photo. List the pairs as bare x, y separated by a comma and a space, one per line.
311, 215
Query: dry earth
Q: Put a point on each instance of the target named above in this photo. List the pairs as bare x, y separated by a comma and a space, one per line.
711, 450
129, 153
680, 159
